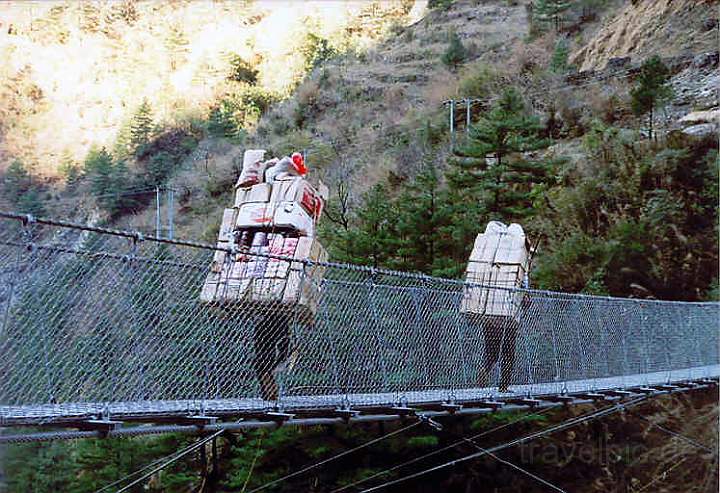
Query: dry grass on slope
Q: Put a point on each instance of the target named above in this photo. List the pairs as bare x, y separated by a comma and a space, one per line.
652, 27
366, 112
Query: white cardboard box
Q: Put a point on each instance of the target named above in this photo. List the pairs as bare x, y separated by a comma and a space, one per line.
226, 226
254, 215
292, 215
275, 214
253, 280
256, 193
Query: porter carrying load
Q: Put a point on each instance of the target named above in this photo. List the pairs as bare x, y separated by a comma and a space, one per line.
498, 266
270, 264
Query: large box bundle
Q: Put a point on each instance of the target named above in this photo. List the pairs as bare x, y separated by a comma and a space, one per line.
252, 279
274, 215
498, 265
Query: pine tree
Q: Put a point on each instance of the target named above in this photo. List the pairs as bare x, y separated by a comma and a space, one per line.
456, 53
492, 167
30, 202
177, 45
141, 127
421, 214
550, 11
241, 70
16, 181
559, 61
652, 90
100, 169
70, 171
374, 240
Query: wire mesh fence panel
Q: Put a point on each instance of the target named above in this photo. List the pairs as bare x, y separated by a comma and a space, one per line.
95, 321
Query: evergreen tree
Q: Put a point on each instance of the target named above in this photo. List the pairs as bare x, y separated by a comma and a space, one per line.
506, 185
241, 70
70, 171
374, 240
652, 90
30, 202
456, 53
177, 46
100, 169
20, 190
316, 50
559, 61
16, 181
550, 11
141, 127
421, 213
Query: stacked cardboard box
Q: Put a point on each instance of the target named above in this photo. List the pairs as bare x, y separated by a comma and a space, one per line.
269, 220
498, 263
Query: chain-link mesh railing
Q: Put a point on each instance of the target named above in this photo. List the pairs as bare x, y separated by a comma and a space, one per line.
94, 322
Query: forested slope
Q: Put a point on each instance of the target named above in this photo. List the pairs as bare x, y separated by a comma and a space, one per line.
609, 162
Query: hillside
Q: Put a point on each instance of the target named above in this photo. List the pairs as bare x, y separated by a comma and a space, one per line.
103, 103
74, 73
360, 90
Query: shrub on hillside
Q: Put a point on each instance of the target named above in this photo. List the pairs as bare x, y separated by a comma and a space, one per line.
634, 220
456, 53
479, 81
241, 70
316, 50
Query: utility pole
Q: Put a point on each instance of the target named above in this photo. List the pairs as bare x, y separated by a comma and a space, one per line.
468, 102
157, 211
452, 125
170, 206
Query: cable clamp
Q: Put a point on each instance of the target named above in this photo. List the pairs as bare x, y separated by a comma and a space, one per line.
430, 422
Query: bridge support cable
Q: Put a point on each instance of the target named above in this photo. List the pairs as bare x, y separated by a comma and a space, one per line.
516, 467
336, 456
675, 434
443, 449
564, 425
166, 462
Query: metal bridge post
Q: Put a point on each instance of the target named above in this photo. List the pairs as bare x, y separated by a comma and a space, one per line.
623, 340
646, 340
375, 331
556, 357
31, 247
525, 334
583, 358
332, 342
460, 336
417, 329
138, 352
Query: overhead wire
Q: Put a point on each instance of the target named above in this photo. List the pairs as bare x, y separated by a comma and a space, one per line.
565, 424
623, 74
134, 473
335, 457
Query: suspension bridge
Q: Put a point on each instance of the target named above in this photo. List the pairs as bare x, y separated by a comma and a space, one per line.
103, 333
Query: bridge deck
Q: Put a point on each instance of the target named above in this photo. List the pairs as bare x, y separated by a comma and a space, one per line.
48, 414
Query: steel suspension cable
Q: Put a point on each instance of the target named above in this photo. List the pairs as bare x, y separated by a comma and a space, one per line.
172, 458
335, 457
516, 467
566, 424
675, 433
435, 452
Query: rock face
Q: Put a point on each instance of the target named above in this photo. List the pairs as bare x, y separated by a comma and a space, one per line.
701, 130
652, 27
